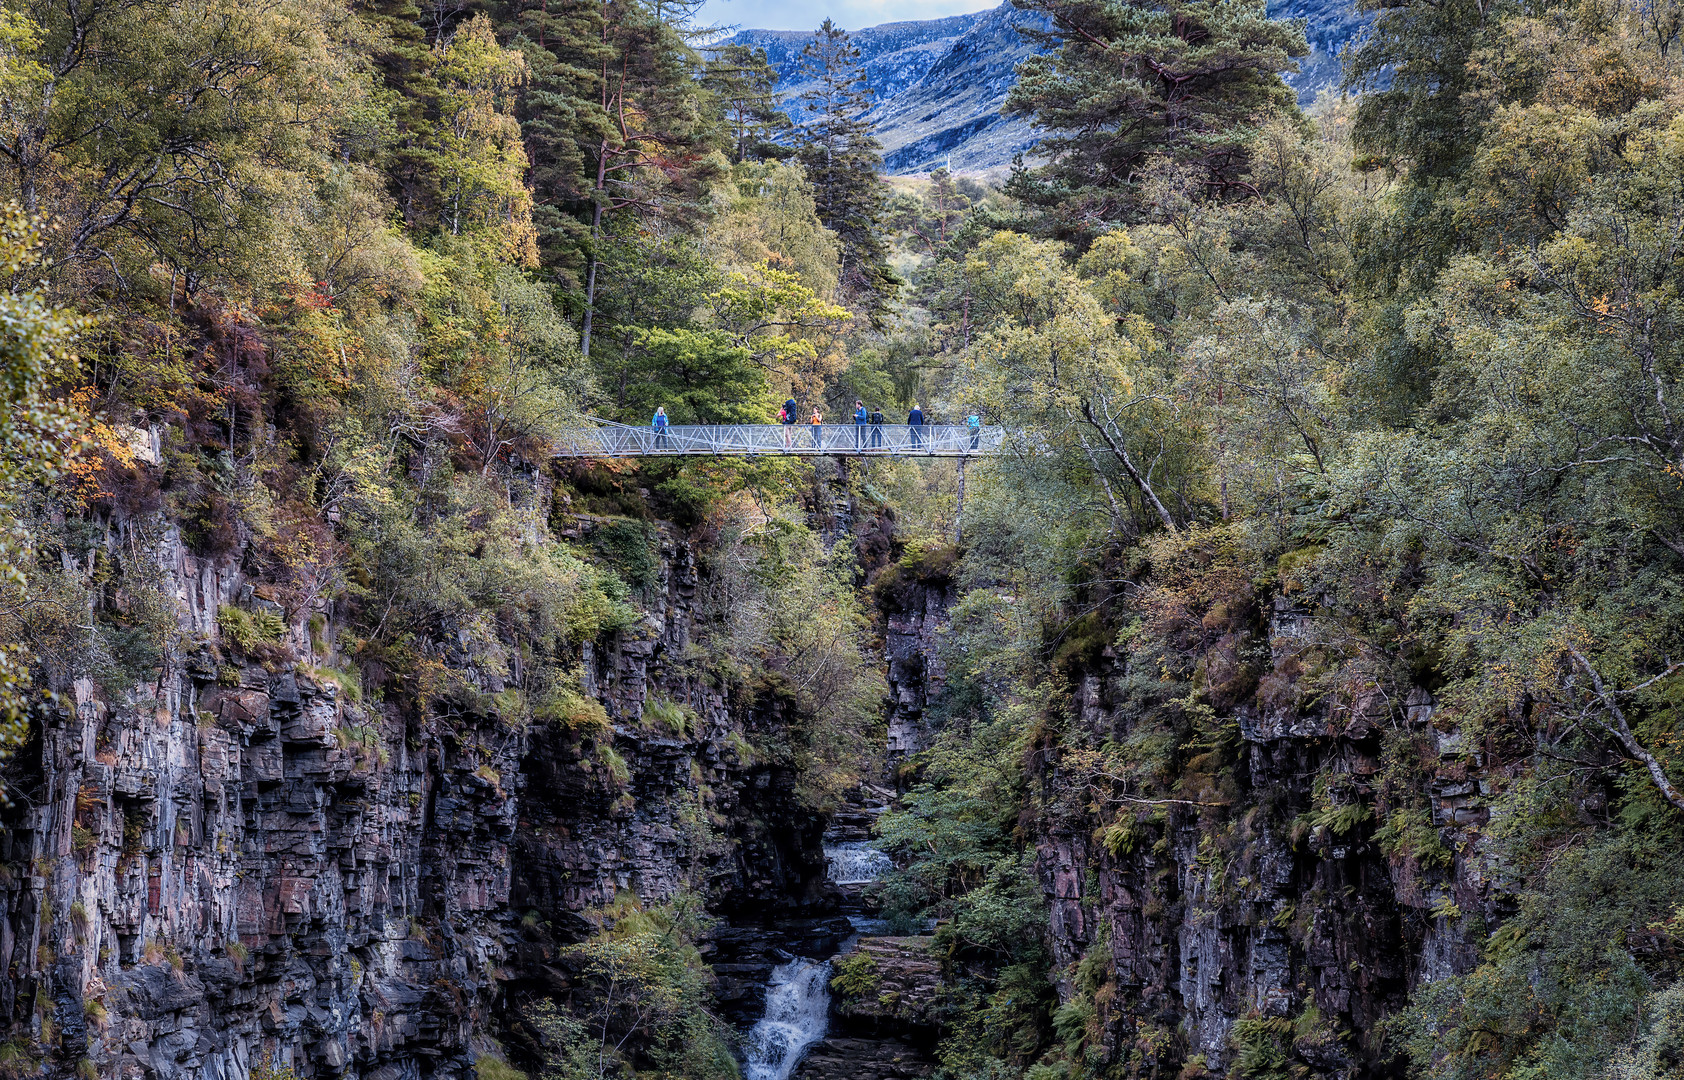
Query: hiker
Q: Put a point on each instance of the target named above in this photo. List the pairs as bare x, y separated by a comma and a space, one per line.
660, 426
786, 417
915, 422
818, 427
876, 429
974, 422
860, 416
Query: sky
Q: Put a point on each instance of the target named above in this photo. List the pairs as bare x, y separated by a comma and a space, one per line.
849, 14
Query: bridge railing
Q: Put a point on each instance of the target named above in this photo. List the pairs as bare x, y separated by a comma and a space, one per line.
606, 439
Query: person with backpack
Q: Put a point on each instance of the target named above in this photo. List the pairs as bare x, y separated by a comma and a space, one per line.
974, 422
786, 417
859, 424
660, 426
915, 424
876, 429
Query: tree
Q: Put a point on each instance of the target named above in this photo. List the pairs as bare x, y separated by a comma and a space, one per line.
835, 145
157, 130
1417, 106
742, 82
1058, 363
39, 434
618, 121
479, 159
1190, 80
934, 216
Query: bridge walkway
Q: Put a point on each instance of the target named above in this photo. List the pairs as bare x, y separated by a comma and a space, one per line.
605, 439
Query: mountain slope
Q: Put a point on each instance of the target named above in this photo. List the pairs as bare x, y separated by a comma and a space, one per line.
939, 83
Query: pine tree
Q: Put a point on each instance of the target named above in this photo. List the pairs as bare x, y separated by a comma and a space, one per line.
1418, 106
835, 144
617, 123
567, 47
1190, 80
742, 81
403, 61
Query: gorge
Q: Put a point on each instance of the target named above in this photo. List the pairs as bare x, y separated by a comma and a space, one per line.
1282, 681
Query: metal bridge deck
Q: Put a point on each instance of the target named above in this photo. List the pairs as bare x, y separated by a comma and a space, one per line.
605, 439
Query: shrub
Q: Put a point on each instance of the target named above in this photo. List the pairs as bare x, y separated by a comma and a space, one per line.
857, 976
490, 1068
574, 712
629, 547
659, 712
249, 630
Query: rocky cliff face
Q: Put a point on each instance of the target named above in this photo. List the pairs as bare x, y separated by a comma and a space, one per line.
1278, 923
246, 864
939, 83
1288, 927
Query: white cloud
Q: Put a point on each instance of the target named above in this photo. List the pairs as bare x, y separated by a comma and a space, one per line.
849, 14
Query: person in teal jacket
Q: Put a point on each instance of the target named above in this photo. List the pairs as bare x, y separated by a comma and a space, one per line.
660, 426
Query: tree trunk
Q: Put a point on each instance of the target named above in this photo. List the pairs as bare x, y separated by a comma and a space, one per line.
596, 232
1621, 731
1140, 481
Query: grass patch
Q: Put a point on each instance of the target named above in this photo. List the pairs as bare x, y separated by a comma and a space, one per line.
249, 630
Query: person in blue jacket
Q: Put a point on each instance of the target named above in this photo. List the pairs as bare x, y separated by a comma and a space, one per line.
974, 422
860, 416
660, 426
915, 422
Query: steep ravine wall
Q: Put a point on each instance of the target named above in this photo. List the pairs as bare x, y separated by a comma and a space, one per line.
1279, 924
1251, 923
238, 866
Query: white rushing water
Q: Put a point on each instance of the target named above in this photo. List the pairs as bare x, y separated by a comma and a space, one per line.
856, 862
797, 1006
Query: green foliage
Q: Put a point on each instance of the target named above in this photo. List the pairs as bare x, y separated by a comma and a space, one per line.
1410, 834
742, 80
835, 144
568, 1049
1658, 1052
1130, 83
491, 1068
646, 995
857, 976
1566, 956
246, 630
668, 715
631, 549
39, 432
790, 626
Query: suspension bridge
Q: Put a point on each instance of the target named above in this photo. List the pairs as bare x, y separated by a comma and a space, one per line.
605, 439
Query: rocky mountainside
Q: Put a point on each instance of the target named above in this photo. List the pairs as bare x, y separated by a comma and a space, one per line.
251, 861
939, 83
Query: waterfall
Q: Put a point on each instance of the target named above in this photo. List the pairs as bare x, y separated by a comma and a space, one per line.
797, 1006
856, 862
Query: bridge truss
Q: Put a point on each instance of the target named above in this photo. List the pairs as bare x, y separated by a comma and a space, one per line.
604, 439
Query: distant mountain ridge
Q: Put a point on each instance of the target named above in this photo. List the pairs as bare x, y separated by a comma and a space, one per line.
939, 83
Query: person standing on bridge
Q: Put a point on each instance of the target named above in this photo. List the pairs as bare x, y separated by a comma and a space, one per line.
876, 429
818, 427
660, 426
915, 425
860, 416
787, 418
974, 422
